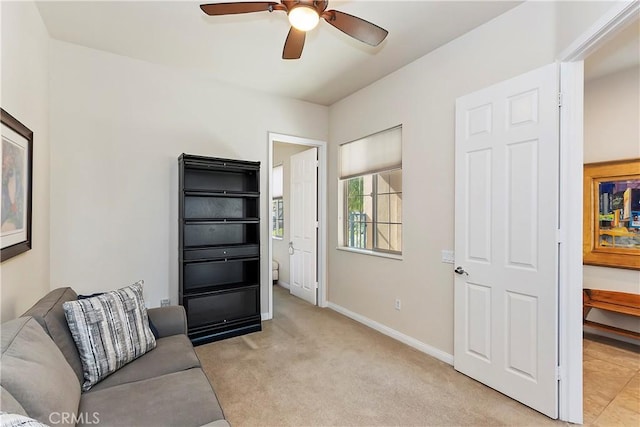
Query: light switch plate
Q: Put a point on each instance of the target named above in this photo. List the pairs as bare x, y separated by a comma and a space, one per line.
448, 256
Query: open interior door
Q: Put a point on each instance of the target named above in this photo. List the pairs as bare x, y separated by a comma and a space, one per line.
303, 247
506, 244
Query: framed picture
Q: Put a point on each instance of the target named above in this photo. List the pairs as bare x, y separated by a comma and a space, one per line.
611, 230
17, 177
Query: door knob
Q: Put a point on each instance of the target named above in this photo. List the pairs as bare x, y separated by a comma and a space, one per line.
460, 270
291, 250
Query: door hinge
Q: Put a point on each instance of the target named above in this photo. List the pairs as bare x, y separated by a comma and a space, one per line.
317, 224
559, 99
317, 163
316, 285
559, 236
559, 373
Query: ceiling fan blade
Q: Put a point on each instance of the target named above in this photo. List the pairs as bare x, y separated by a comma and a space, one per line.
294, 44
238, 7
356, 27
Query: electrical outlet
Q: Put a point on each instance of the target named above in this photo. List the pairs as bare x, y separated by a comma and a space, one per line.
398, 304
448, 256
165, 302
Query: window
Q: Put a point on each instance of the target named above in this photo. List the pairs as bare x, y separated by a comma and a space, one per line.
277, 208
374, 212
371, 174
277, 203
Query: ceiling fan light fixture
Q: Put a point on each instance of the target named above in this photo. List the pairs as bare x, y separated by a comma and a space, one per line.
303, 17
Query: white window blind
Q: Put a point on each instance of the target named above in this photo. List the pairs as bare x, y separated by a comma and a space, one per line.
277, 176
378, 152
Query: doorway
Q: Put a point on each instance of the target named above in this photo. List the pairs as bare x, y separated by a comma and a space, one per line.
611, 132
570, 274
281, 150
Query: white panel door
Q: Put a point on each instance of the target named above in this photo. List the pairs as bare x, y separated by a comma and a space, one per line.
506, 245
303, 247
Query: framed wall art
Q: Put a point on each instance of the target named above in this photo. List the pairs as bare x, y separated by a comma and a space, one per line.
16, 153
611, 223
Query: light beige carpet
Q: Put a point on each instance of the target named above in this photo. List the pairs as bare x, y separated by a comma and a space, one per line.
314, 367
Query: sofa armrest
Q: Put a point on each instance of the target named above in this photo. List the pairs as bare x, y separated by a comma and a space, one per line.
171, 320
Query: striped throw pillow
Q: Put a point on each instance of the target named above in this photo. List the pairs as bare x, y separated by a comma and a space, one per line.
17, 420
110, 330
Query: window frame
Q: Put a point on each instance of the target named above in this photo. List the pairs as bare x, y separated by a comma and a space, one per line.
375, 250
274, 219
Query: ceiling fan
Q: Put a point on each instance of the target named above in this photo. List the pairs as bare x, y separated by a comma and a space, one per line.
304, 16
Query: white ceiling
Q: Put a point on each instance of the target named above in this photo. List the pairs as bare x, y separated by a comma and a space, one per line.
246, 49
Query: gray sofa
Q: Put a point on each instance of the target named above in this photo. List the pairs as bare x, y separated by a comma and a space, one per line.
41, 375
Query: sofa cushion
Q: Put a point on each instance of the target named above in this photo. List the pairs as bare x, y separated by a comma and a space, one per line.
110, 330
34, 371
172, 354
9, 403
182, 398
50, 314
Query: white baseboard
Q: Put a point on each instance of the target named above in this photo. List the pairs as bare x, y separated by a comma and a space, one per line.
283, 284
265, 316
406, 339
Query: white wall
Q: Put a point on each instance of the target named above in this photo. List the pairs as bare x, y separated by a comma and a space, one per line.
25, 66
282, 153
118, 126
611, 112
421, 97
612, 132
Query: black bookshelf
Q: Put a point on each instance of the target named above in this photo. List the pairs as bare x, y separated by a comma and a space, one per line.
219, 234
